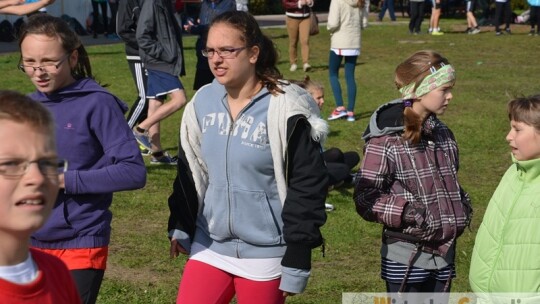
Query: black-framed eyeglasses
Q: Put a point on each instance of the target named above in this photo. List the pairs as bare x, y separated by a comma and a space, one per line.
48, 67
14, 167
222, 52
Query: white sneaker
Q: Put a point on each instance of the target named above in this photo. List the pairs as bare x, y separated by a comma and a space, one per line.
293, 67
307, 67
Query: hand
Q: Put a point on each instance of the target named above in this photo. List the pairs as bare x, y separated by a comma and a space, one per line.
412, 214
61, 181
49, 2
188, 26
286, 294
176, 249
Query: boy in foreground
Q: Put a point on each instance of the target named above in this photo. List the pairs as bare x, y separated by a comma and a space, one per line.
29, 178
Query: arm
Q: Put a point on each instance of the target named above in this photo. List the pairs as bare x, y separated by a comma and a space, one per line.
127, 17
372, 194
183, 207
303, 211
23, 9
6, 3
333, 22
120, 167
146, 32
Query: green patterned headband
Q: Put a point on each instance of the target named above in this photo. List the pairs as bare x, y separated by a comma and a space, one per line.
436, 79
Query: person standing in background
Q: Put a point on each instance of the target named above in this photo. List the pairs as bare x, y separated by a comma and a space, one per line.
298, 23
343, 24
534, 17
128, 15
416, 12
434, 28
160, 46
472, 25
96, 4
111, 30
387, 4
503, 14
364, 14
209, 10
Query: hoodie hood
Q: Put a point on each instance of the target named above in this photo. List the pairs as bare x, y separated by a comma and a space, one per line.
387, 119
78, 89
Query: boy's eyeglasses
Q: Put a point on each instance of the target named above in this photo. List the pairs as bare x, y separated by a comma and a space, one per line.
48, 67
224, 53
18, 167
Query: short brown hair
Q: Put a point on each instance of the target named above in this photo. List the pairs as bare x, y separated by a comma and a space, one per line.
19, 108
526, 110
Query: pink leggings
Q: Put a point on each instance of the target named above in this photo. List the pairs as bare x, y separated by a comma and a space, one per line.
205, 284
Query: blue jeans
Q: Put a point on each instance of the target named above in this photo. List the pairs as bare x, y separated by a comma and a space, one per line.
387, 4
334, 61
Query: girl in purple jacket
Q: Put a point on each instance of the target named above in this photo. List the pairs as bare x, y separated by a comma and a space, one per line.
93, 136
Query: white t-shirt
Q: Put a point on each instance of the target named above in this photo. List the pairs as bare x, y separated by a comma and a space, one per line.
22, 273
346, 52
253, 269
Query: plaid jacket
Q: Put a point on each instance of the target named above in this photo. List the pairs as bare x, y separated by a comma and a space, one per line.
395, 173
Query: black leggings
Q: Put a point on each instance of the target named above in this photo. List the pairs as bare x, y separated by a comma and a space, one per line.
503, 14
535, 18
88, 282
417, 16
421, 292
95, 15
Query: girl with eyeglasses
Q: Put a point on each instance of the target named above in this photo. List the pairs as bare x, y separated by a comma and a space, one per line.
93, 136
248, 200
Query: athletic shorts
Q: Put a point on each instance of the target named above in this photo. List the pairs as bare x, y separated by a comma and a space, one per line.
470, 5
160, 84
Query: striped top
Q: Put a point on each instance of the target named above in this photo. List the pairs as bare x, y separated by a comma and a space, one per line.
395, 272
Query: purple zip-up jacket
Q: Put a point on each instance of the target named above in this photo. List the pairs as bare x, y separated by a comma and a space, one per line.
103, 157
395, 173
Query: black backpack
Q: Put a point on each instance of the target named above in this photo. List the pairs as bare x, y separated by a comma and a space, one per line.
17, 26
7, 33
75, 25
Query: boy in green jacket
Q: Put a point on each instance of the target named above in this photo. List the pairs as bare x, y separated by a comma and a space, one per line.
505, 255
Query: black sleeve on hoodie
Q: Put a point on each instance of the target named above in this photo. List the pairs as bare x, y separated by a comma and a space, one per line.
183, 202
307, 187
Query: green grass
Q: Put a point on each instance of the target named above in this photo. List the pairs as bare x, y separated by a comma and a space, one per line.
490, 71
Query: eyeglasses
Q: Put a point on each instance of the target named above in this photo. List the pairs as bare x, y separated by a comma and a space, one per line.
48, 67
18, 167
223, 52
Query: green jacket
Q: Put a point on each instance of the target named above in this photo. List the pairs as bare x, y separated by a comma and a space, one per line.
506, 254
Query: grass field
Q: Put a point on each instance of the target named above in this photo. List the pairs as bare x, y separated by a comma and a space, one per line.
490, 71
